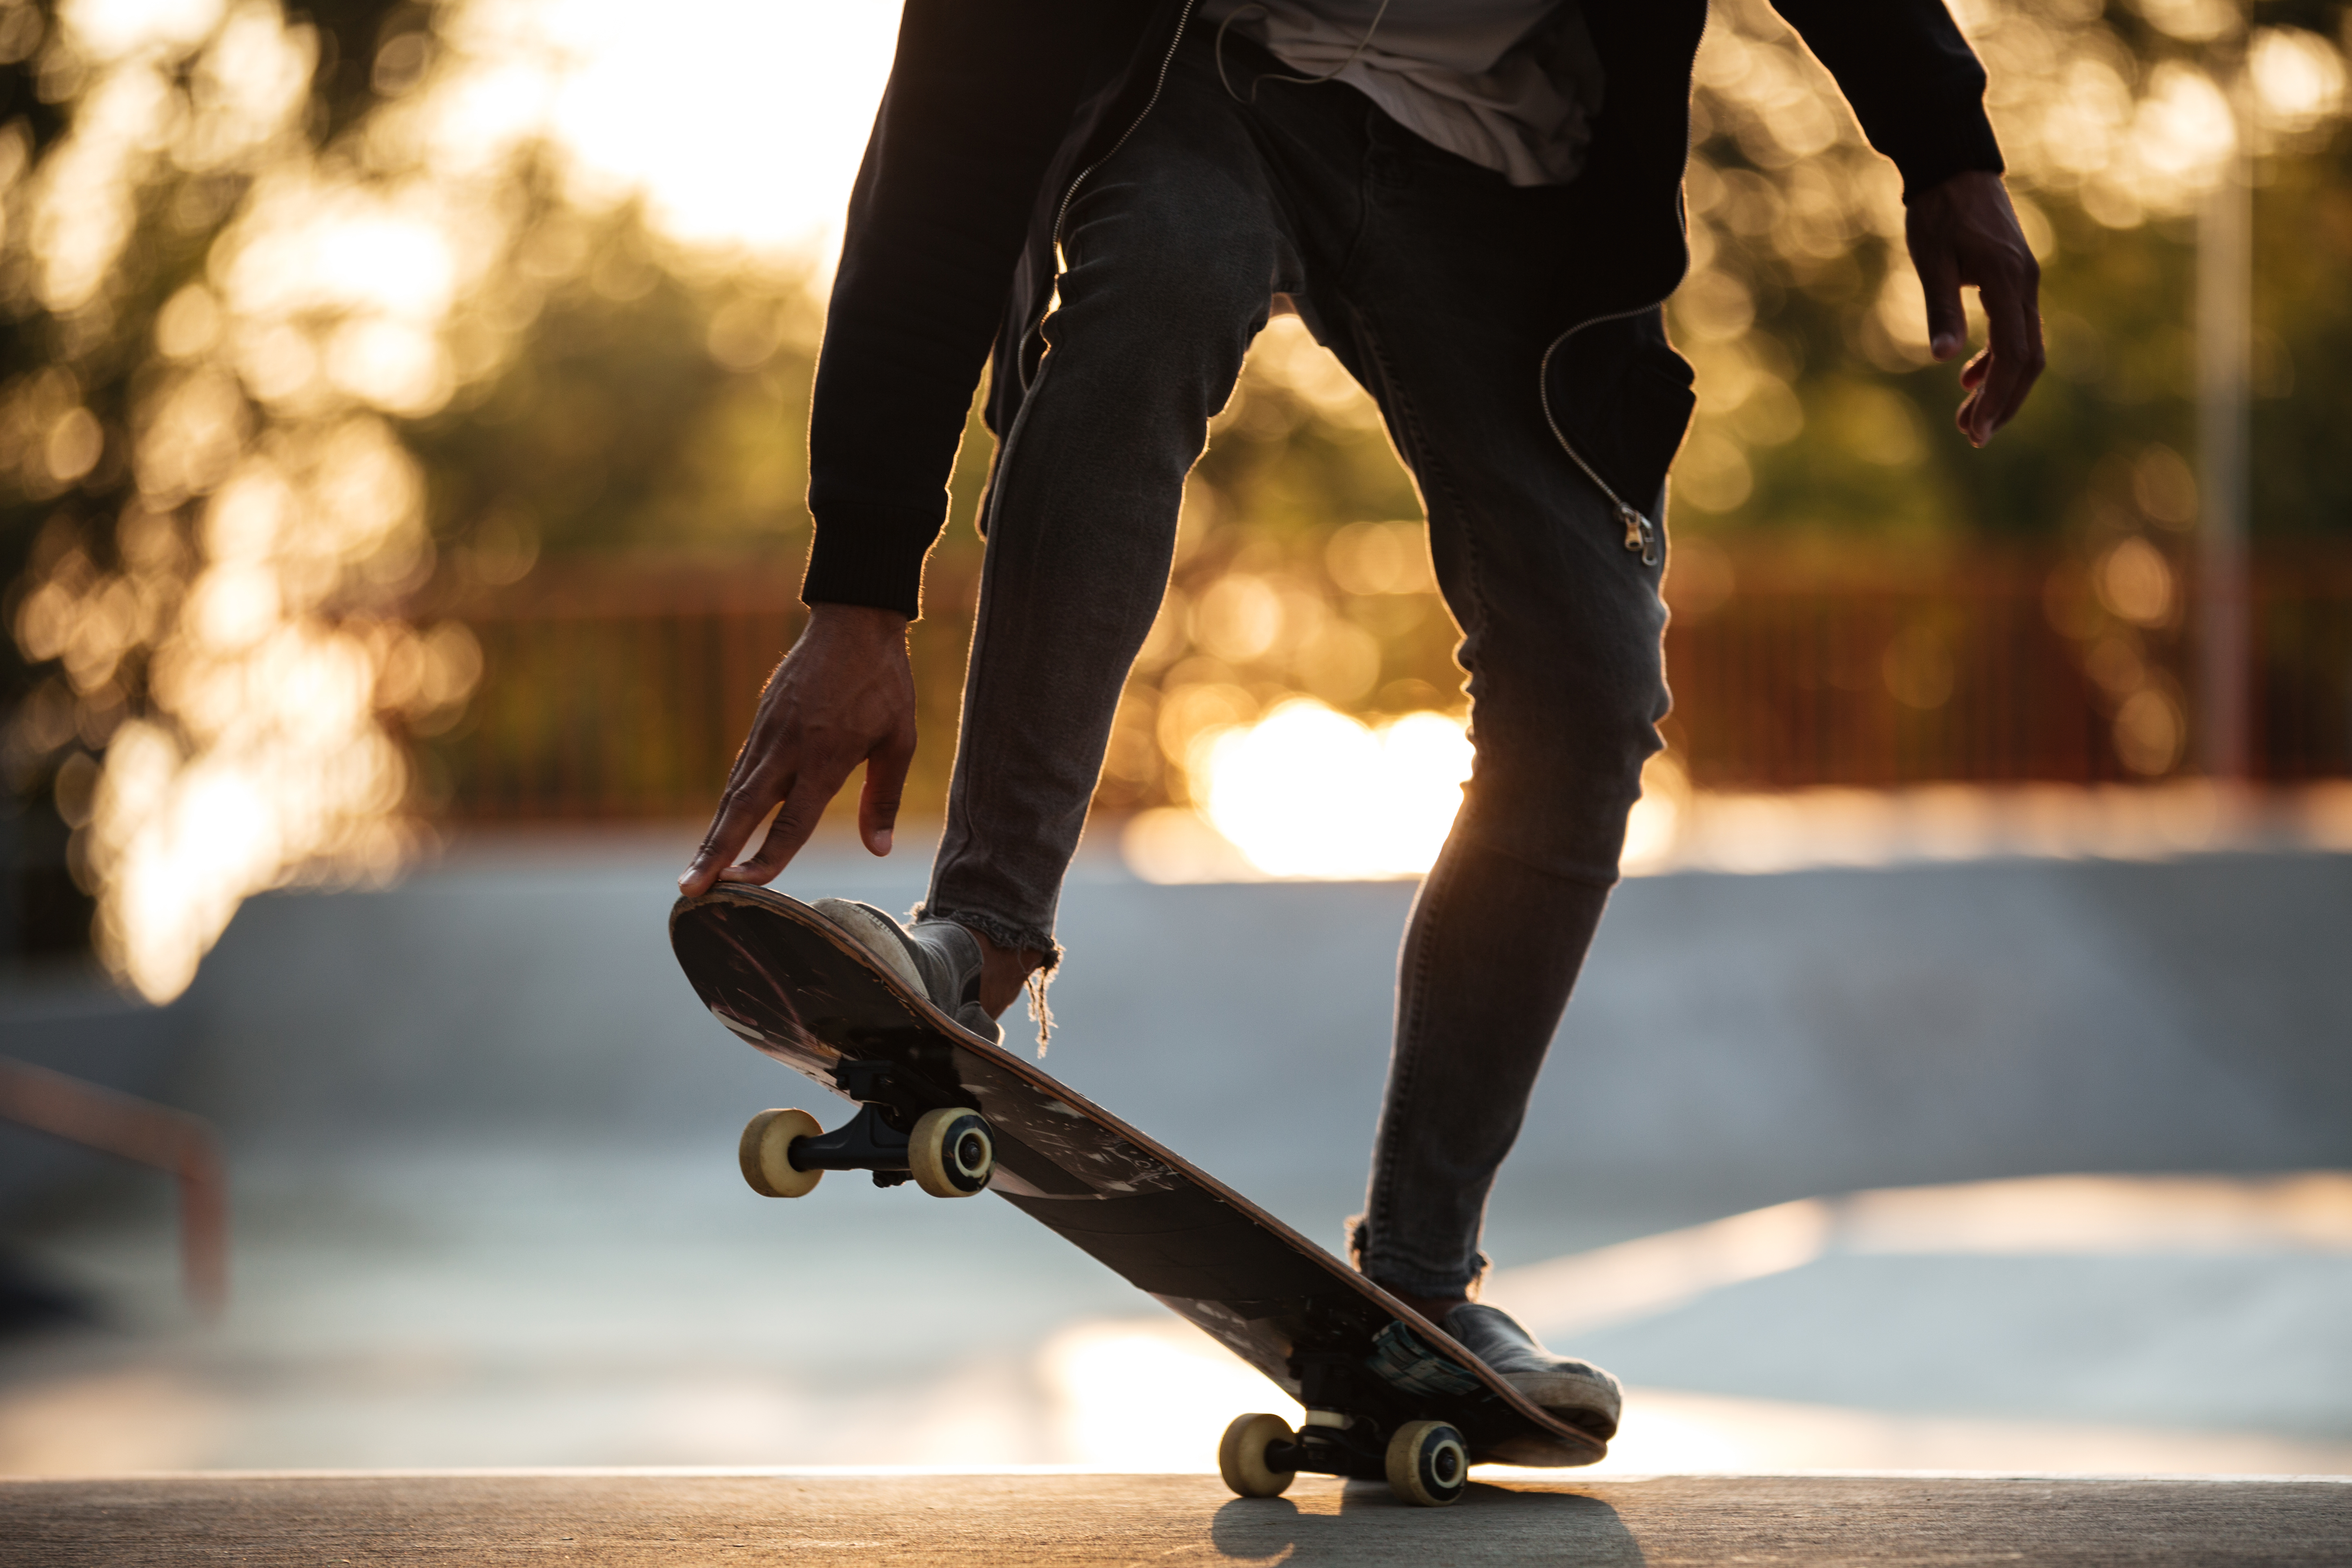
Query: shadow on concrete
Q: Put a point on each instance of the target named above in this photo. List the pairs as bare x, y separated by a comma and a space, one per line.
1516, 1526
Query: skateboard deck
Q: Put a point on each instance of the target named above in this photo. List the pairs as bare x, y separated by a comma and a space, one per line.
1367, 1367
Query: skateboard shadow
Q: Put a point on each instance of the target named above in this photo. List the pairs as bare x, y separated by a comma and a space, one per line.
1372, 1527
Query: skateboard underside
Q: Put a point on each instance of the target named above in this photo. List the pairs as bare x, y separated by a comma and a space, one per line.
795, 986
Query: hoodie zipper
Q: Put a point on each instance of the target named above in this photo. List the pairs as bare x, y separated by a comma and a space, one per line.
1159, 85
1641, 532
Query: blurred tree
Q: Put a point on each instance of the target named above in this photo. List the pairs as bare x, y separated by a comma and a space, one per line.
110, 212
649, 408
264, 423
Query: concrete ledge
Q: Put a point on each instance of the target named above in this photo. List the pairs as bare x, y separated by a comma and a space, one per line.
711, 1517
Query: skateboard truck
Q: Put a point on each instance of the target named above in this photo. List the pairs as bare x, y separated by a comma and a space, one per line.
949, 1152
1424, 1462
1331, 1441
867, 1142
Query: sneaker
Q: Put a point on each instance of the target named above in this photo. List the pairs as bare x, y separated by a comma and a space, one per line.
935, 959
1578, 1391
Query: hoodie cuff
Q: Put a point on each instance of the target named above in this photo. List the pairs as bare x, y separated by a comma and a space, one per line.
1966, 143
869, 556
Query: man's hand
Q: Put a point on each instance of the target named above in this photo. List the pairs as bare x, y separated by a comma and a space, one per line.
1964, 232
845, 695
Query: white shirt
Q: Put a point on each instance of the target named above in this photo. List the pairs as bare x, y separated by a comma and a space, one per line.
1508, 84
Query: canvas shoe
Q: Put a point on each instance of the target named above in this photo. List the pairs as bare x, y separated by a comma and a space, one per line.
1579, 1393
937, 959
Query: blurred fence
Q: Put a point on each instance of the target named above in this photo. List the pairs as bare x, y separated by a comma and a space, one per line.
1790, 682
1995, 669
612, 693
620, 693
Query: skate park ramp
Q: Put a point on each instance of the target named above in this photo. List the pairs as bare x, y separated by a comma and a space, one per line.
2003, 1166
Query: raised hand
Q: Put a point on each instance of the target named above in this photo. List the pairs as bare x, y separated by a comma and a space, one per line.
1963, 233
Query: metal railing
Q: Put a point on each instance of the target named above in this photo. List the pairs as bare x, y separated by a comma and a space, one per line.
148, 1134
1998, 670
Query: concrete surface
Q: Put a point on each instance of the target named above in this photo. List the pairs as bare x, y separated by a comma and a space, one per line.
1819, 1521
601, 1311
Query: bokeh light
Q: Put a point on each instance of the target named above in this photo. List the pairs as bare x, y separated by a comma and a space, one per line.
1307, 791
738, 125
1102, 1375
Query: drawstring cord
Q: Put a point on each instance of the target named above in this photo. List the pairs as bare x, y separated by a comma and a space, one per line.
1239, 11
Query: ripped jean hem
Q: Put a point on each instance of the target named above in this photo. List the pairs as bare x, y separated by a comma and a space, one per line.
1005, 933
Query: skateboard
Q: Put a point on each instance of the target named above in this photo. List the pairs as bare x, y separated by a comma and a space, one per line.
1388, 1394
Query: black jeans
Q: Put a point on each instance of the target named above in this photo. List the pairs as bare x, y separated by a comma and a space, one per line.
1400, 259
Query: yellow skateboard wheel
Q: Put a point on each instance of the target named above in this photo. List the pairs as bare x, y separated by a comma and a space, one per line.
766, 1153
1428, 1465
951, 1152
1241, 1456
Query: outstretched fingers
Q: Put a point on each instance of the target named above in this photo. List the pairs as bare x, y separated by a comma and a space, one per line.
748, 797
1947, 321
796, 819
2013, 324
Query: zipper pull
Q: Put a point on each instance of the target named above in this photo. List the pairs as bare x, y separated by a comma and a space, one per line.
1641, 533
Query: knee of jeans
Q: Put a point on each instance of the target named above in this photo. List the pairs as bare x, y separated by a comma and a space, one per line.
1597, 732
1568, 834
1560, 799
